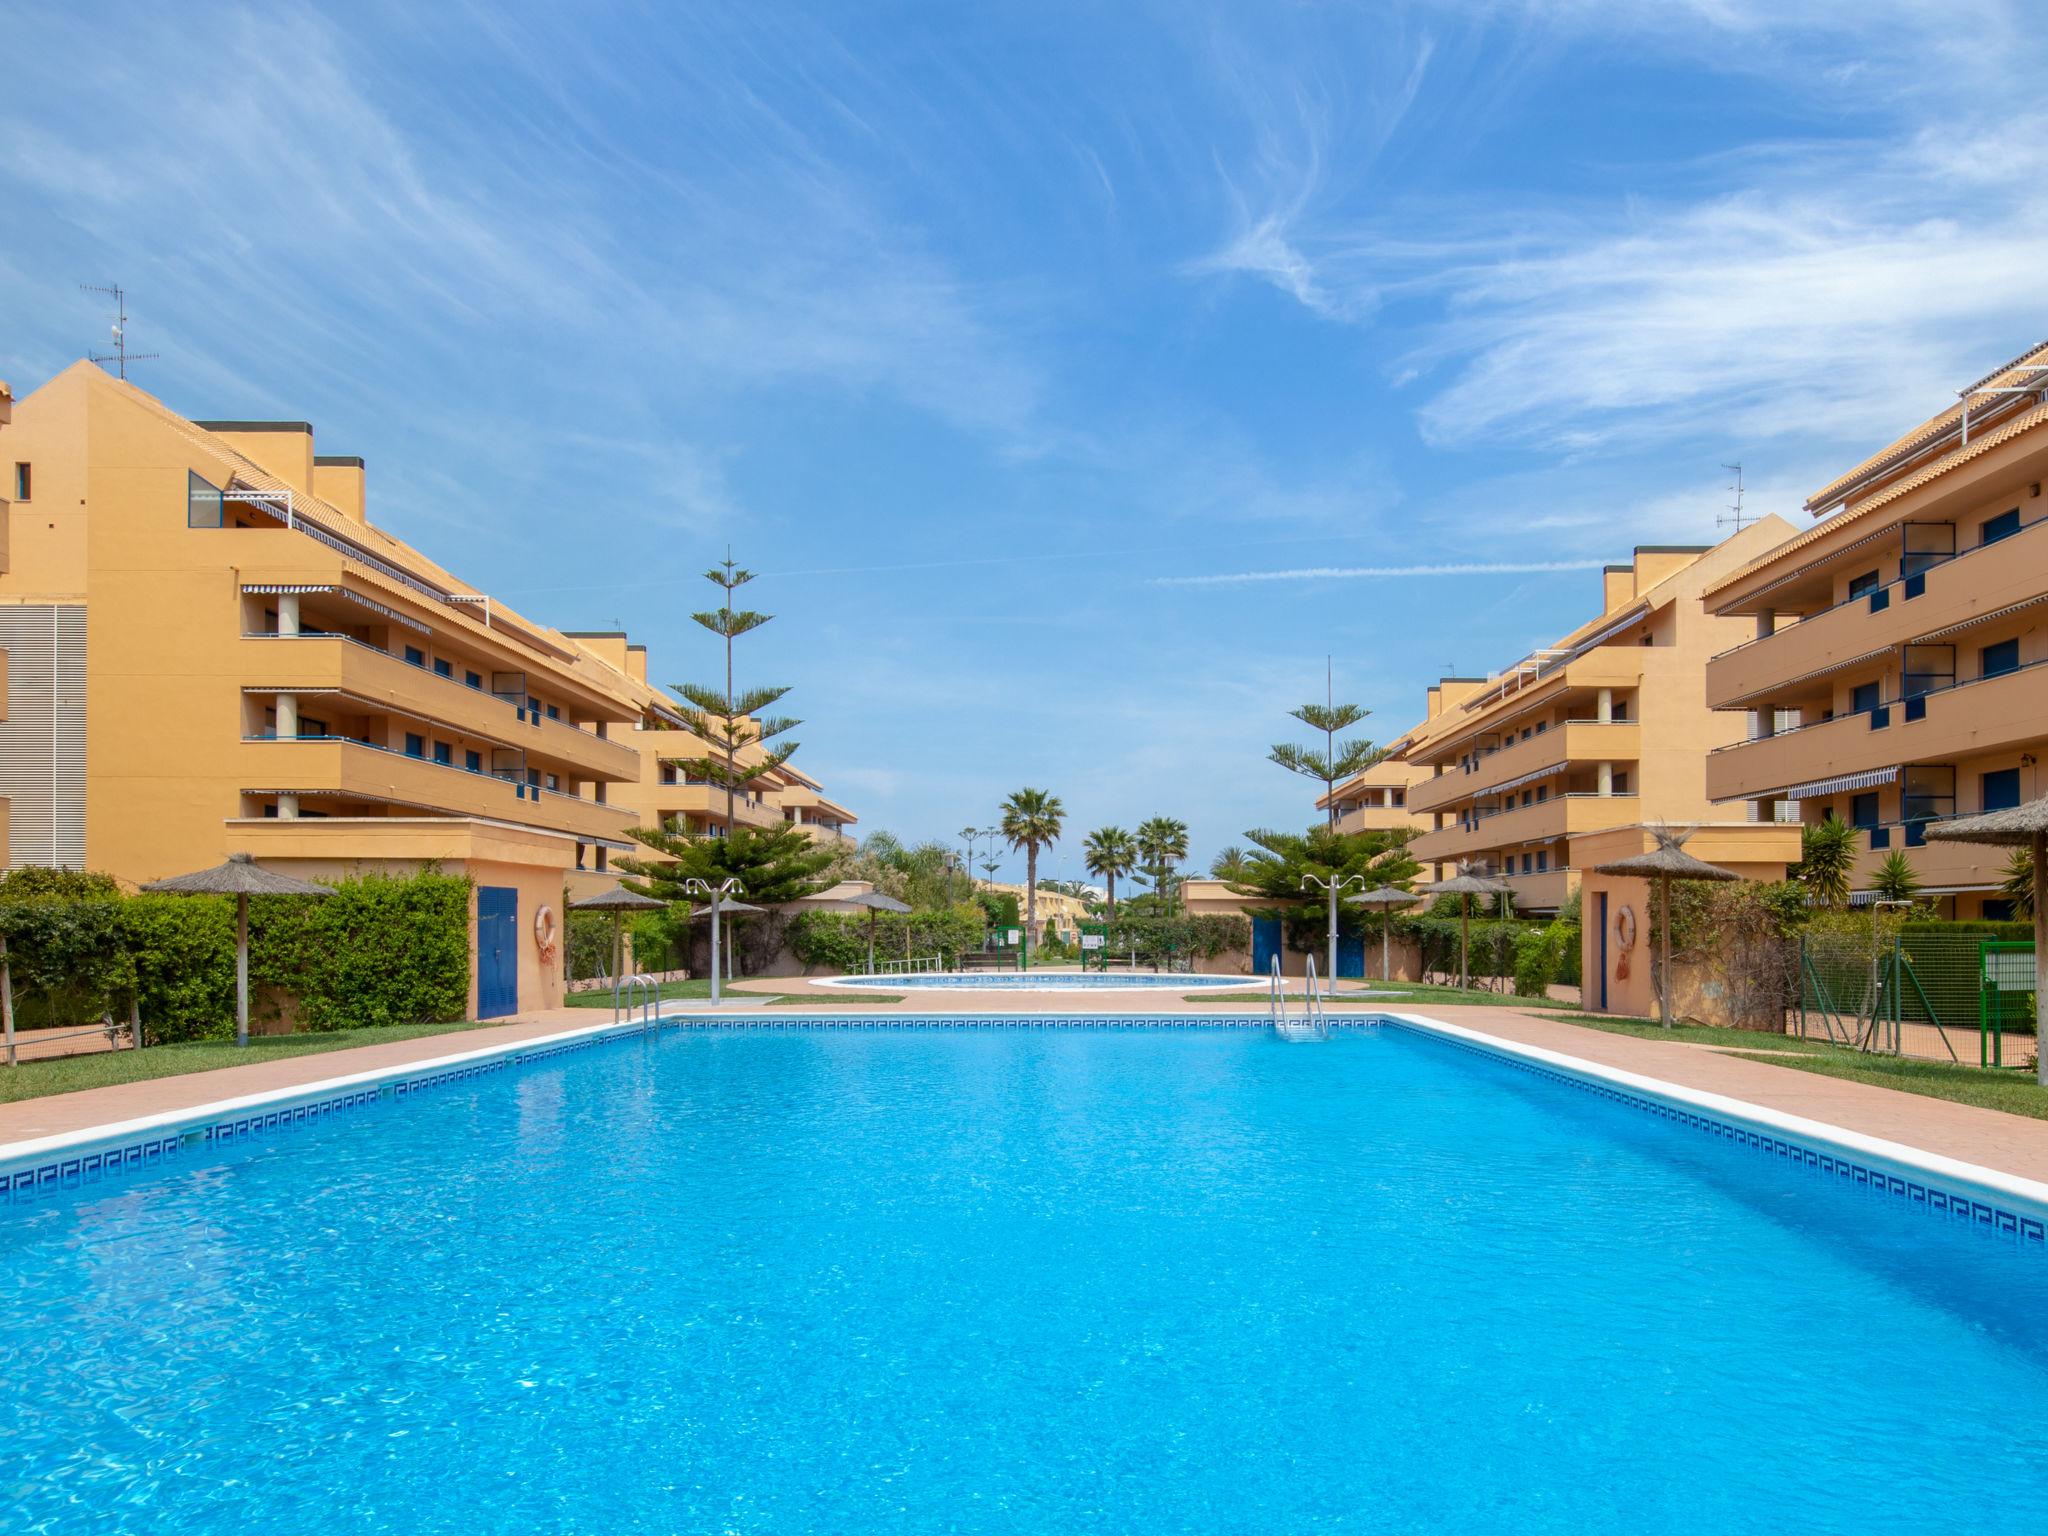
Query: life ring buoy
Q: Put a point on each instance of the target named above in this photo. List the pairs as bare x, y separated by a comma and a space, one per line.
544, 932
1625, 941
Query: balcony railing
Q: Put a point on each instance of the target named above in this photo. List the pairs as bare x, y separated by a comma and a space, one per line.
1879, 716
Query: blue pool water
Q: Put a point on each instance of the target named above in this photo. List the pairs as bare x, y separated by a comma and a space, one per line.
1048, 981
1009, 1281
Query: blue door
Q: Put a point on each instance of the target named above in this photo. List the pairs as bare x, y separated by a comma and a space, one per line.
1351, 954
1265, 944
497, 951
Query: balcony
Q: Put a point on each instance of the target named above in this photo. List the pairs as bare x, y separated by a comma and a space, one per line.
1575, 741
355, 770
1966, 719
1980, 580
707, 803
1558, 817
1542, 892
1937, 864
337, 663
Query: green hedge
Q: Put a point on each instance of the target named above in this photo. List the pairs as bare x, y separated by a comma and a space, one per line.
1162, 940
838, 941
382, 950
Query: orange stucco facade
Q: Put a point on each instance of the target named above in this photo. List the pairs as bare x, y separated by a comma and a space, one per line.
1606, 728
215, 651
1891, 664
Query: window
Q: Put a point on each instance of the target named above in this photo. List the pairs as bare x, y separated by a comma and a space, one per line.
2003, 526
1997, 910
554, 783
1528, 862
1996, 660
443, 668
444, 753
554, 713
1543, 862
1620, 711
668, 773
308, 726
1858, 585
1863, 810
2000, 790
1542, 793
24, 482
1542, 726
415, 745
1866, 697
415, 657
472, 680
1620, 784
473, 761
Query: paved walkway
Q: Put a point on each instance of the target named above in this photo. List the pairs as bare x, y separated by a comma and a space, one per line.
2009, 1143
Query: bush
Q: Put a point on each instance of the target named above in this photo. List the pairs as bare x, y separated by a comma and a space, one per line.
838, 941
383, 949
1162, 940
182, 962
1571, 950
1537, 957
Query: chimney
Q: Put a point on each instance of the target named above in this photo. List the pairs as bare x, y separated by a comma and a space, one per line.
636, 663
338, 481
284, 448
1617, 586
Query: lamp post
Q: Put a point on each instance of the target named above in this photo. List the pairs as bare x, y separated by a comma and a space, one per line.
695, 887
1333, 885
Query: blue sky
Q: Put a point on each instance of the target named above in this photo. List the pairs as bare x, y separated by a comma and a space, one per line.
1071, 373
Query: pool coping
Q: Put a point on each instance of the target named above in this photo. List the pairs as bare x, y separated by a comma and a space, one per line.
1987, 1196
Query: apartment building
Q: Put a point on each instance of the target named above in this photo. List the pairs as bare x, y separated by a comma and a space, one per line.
1891, 668
8, 487
666, 792
1606, 728
1377, 798
214, 650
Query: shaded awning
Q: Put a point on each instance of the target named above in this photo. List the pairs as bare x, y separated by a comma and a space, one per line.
1842, 784
278, 588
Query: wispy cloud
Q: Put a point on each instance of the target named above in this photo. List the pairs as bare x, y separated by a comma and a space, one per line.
1377, 572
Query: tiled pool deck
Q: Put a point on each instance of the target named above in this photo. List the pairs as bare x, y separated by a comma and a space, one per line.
2006, 1143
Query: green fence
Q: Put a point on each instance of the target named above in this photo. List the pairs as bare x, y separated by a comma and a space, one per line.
1924, 990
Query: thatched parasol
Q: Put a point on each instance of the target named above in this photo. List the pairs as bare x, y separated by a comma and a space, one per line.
241, 877
1666, 862
880, 901
2024, 826
1385, 899
618, 901
1468, 881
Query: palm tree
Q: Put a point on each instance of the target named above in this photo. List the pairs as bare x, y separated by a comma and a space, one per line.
1031, 819
1230, 864
1162, 844
1896, 879
1827, 859
1110, 852
2017, 885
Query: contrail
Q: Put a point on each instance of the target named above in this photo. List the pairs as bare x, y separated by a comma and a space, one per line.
1368, 572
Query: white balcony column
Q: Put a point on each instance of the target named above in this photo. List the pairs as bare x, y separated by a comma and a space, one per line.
1604, 778
288, 613
1766, 623
1605, 709
287, 807
287, 716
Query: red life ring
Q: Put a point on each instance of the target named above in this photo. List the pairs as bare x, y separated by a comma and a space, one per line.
544, 932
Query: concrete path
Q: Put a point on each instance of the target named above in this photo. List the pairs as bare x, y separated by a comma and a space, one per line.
2010, 1143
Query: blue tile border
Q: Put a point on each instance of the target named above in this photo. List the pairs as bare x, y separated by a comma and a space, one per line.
75, 1166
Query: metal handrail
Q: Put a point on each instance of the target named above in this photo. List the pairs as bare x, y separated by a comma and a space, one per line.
1277, 997
638, 990
1312, 1009
918, 965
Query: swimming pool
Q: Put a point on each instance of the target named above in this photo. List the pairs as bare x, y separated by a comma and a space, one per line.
831, 1280
1044, 981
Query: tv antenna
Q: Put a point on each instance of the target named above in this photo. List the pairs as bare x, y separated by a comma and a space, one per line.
1735, 515
120, 357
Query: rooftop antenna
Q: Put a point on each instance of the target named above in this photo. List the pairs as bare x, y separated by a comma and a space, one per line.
120, 357
1735, 515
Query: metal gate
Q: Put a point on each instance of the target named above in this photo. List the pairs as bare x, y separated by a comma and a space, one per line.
497, 951
2005, 996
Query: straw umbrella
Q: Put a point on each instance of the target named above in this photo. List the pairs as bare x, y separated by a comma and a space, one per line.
2024, 826
1385, 899
878, 901
618, 901
1666, 862
1468, 881
241, 877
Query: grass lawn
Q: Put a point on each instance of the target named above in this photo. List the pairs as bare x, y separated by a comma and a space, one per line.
699, 989
2011, 1090
69, 1074
1397, 993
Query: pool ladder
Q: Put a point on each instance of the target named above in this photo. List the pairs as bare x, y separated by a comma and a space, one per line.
1312, 1025
636, 991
